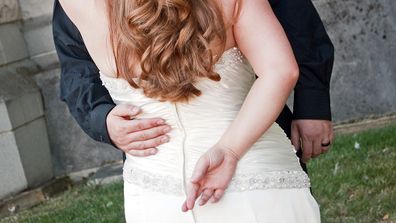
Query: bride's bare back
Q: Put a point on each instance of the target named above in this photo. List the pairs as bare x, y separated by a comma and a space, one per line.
91, 19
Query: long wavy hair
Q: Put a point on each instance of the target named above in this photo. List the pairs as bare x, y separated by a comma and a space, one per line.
173, 42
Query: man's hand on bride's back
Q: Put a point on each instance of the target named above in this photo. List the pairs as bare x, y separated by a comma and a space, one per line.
212, 174
137, 137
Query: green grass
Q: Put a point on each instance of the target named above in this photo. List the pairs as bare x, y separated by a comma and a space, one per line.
358, 185
81, 204
351, 185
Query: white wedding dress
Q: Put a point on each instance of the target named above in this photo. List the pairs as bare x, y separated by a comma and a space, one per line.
268, 186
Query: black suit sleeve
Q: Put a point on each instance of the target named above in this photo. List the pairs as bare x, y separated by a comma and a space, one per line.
314, 52
80, 87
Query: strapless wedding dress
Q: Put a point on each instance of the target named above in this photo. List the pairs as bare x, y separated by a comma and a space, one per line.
268, 186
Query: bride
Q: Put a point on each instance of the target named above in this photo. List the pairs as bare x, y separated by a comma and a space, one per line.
193, 63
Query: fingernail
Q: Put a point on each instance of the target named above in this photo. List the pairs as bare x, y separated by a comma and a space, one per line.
135, 110
165, 139
153, 151
194, 179
167, 129
160, 122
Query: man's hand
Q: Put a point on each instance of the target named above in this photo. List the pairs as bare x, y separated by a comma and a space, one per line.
137, 137
312, 136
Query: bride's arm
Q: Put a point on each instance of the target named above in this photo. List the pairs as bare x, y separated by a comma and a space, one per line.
262, 40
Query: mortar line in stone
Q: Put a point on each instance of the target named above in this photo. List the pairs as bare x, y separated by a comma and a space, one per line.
23, 125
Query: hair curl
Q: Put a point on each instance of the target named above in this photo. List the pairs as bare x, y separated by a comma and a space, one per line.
173, 41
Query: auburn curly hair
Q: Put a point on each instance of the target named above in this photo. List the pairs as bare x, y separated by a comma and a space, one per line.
173, 41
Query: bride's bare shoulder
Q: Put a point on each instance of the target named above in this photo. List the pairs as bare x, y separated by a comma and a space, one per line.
79, 11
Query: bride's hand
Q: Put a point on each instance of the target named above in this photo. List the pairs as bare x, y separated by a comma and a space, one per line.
211, 176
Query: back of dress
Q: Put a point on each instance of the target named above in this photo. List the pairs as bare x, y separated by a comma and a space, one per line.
199, 124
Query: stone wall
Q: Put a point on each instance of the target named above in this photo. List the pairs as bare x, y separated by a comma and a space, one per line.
29, 104
25, 158
26, 47
363, 82
364, 77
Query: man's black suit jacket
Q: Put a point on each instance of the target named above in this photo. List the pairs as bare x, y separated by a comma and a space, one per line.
89, 102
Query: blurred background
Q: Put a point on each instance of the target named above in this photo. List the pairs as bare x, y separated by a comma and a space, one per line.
40, 141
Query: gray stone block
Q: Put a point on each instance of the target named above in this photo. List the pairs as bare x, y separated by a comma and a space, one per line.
35, 8
12, 175
9, 11
25, 159
38, 35
20, 100
46, 60
5, 122
25, 109
33, 147
12, 43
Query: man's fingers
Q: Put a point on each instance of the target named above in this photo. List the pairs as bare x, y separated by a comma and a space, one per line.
125, 110
143, 153
317, 148
325, 149
142, 145
200, 169
310, 135
307, 150
295, 138
331, 135
137, 125
148, 134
